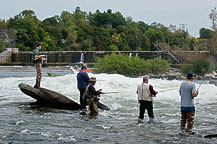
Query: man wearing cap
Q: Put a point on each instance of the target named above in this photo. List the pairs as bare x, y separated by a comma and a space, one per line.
38, 60
187, 92
82, 81
92, 96
145, 93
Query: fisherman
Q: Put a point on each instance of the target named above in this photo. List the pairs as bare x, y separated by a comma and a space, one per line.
145, 93
92, 97
38, 60
82, 81
187, 92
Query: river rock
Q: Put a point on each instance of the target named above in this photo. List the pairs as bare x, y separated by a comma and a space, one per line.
49, 97
54, 99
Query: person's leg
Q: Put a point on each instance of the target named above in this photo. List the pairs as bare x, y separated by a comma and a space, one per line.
190, 120
150, 110
141, 109
82, 101
94, 109
183, 120
39, 75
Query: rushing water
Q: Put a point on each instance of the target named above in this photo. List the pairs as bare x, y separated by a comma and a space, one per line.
23, 123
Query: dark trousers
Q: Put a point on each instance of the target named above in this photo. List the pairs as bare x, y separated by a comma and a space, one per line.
146, 105
82, 101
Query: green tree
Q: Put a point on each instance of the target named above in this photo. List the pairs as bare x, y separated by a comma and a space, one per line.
206, 33
2, 45
155, 36
26, 27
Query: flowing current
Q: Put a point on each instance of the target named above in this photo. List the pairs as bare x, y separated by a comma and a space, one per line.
23, 123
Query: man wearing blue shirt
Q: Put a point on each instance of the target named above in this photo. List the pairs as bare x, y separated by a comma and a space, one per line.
83, 81
188, 92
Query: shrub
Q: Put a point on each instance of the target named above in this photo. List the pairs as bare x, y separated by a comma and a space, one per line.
50, 74
158, 65
186, 68
134, 66
202, 66
199, 66
2, 45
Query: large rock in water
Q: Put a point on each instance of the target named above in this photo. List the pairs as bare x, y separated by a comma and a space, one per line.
53, 99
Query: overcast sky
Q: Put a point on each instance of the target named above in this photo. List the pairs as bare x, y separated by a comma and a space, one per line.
194, 13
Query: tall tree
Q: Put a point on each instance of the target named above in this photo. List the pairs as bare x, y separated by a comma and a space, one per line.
206, 33
213, 18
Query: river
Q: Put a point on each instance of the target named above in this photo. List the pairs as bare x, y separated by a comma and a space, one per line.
23, 123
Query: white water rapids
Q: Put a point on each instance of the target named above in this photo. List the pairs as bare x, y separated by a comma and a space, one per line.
21, 123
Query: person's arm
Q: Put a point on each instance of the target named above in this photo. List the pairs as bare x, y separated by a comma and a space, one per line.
153, 92
194, 92
39, 56
93, 90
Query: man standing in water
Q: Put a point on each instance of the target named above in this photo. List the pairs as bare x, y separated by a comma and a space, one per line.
92, 97
83, 81
145, 92
188, 92
38, 60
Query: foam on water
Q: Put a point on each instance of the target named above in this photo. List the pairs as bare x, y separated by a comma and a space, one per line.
115, 126
125, 86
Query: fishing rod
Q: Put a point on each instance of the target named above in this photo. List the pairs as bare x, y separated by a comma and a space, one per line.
199, 87
110, 92
166, 90
116, 92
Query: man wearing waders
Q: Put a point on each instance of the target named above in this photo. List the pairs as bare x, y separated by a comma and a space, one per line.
38, 60
82, 81
187, 92
92, 97
145, 93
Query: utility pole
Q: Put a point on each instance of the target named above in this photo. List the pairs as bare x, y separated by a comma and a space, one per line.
183, 27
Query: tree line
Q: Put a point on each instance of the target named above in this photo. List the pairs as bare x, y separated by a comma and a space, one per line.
99, 31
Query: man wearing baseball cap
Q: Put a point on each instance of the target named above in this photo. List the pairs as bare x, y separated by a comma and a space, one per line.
38, 60
187, 92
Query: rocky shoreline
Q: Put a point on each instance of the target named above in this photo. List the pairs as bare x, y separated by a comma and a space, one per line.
176, 74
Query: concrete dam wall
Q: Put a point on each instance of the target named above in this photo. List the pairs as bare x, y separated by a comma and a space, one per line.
73, 57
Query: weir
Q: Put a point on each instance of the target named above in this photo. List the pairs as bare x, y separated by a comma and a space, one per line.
63, 58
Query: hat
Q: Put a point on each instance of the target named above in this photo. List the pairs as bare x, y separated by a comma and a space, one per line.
190, 75
39, 44
92, 79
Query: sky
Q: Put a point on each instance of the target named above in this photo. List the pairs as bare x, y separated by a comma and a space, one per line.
193, 13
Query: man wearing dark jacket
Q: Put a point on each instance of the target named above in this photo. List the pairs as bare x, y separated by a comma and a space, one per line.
83, 81
92, 97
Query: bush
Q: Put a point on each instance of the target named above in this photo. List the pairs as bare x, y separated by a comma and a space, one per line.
134, 66
186, 68
157, 65
200, 67
2, 45
50, 74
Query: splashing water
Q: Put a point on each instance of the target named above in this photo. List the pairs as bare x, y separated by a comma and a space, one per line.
22, 123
